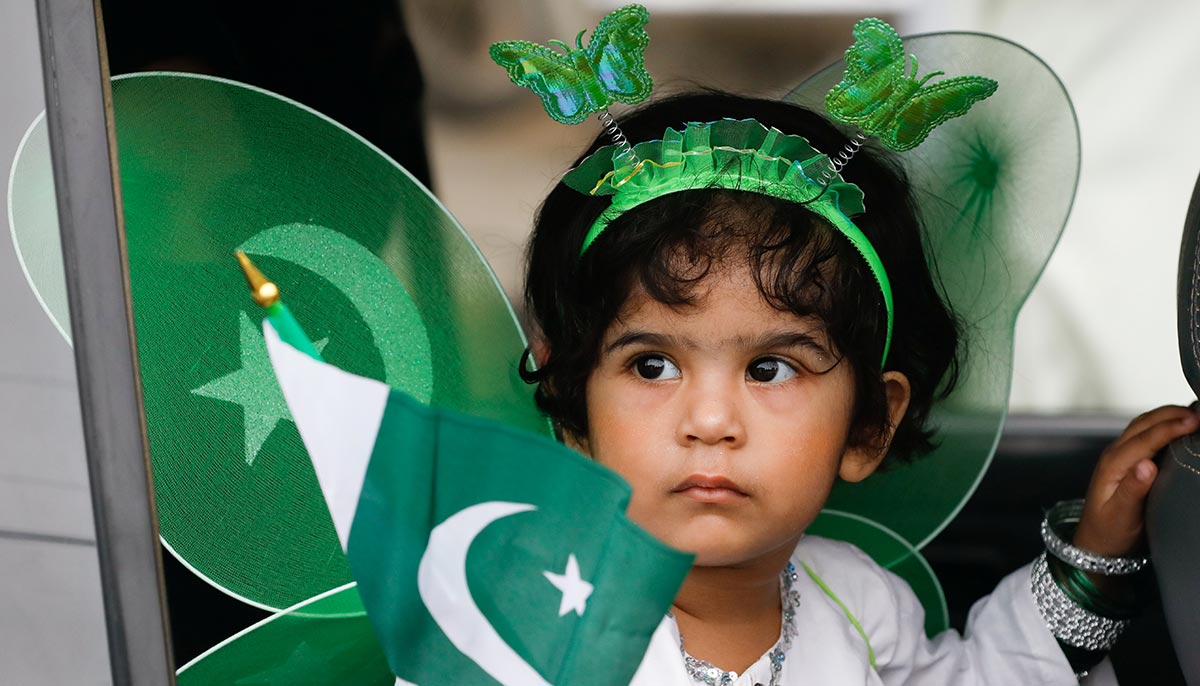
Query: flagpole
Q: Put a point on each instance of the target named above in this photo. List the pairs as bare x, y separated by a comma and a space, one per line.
266, 294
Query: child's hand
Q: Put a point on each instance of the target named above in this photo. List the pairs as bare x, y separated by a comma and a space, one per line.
1113, 512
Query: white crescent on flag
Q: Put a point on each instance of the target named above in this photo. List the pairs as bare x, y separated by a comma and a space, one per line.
442, 581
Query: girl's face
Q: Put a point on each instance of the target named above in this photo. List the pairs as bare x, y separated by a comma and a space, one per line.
714, 415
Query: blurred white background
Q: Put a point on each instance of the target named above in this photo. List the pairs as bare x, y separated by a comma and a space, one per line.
1098, 333
51, 612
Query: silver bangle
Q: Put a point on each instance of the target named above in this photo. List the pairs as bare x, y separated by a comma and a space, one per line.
1069, 512
1070, 623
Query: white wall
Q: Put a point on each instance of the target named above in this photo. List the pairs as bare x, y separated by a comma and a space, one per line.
51, 616
1099, 331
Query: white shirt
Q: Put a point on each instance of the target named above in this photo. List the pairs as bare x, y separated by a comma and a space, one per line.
1006, 642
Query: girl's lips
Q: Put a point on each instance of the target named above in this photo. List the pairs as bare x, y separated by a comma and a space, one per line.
710, 489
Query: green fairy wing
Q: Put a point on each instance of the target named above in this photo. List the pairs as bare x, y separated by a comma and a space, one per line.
617, 55
568, 94
387, 282
324, 640
874, 71
993, 191
933, 105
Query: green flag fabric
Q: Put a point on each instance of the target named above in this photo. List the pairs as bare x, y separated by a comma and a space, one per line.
484, 554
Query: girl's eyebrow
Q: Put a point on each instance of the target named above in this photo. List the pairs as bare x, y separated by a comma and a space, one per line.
782, 339
657, 340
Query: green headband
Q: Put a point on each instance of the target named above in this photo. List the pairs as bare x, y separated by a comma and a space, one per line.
731, 154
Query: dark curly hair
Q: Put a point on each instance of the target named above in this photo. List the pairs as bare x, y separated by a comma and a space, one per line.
802, 265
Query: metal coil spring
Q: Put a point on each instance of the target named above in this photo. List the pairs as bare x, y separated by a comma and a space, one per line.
615, 132
839, 161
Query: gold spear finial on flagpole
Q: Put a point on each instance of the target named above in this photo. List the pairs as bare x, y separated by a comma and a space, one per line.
266, 294
263, 291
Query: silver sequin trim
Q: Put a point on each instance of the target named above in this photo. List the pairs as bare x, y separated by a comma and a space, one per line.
1071, 511
1069, 622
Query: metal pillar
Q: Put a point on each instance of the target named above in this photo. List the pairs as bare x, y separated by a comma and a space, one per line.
78, 114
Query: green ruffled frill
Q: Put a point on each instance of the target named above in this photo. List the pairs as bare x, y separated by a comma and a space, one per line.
738, 154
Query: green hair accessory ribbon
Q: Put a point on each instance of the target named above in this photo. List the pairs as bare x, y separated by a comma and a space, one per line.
731, 154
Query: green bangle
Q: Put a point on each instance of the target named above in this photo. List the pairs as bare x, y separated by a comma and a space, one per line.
1082, 591
1062, 578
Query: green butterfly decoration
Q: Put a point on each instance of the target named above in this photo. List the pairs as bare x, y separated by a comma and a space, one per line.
877, 95
580, 81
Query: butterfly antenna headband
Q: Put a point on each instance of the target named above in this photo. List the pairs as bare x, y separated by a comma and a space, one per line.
842, 158
880, 98
619, 139
581, 80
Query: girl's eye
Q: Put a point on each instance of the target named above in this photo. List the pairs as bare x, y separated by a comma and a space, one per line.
656, 367
770, 370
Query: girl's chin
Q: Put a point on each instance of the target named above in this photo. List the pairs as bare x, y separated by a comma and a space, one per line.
730, 546
731, 560
722, 553
720, 540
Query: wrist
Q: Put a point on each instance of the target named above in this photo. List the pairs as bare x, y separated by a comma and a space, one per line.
1086, 599
1072, 622
1060, 526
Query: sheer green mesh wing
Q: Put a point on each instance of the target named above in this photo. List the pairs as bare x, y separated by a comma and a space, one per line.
994, 190
387, 282
323, 640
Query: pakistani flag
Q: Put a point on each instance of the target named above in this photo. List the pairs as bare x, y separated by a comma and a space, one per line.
483, 554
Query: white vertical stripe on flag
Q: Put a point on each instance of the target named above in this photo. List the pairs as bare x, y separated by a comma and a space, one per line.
338, 414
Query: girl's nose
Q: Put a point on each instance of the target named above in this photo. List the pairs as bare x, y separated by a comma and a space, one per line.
711, 417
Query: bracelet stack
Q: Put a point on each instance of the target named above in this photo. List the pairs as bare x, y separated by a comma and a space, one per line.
1086, 619
1071, 622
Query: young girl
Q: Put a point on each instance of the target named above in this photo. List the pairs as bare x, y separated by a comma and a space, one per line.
720, 347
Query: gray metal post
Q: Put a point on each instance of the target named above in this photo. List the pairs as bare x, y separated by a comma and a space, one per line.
78, 111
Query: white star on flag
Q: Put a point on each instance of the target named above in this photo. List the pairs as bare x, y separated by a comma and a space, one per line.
574, 589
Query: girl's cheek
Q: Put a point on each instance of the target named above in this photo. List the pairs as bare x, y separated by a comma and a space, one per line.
795, 401
627, 398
